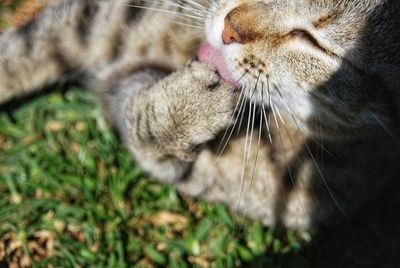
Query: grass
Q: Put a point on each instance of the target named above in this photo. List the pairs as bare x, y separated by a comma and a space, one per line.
72, 196
5, 8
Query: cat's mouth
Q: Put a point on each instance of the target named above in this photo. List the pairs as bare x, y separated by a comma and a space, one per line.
211, 55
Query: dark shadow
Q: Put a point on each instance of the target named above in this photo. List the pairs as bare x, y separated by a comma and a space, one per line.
15, 103
363, 179
371, 239
371, 235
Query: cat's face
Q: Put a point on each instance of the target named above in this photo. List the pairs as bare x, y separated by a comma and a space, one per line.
324, 64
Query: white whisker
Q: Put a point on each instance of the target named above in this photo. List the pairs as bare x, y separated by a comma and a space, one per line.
388, 131
252, 116
188, 25
241, 100
314, 160
265, 115
258, 149
240, 114
171, 3
168, 12
194, 3
245, 156
286, 158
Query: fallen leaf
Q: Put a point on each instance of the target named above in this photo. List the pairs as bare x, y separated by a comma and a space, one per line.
54, 125
199, 260
167, 218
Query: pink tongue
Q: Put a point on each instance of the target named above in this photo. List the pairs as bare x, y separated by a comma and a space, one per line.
211, 55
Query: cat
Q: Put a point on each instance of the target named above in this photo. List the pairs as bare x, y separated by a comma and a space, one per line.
290, 117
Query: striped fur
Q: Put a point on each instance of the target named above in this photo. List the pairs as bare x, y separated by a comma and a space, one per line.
88, 39
319, 75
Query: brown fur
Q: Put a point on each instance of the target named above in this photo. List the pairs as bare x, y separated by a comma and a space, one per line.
324, 72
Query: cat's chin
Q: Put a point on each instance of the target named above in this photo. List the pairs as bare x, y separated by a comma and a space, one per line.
211, 55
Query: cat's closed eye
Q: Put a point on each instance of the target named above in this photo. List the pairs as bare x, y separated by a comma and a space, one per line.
308, 38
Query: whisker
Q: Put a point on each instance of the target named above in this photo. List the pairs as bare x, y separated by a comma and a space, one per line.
269, 100
198, 7
279, 114
286, 158
243, 172
240, 100
265, 115
253, 114
241, 119
255, 162
263, 119
276, 121
258, 149
188, 25
294, 148
314, 160
292, 115
213, 3
171, 3
245, 156
196, 4
387, 129
241, 112
247, 151
167, 12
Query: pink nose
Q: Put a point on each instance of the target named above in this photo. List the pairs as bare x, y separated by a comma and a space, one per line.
229, 34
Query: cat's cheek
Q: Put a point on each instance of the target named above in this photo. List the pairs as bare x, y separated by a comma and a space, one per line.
295, 106
303, 108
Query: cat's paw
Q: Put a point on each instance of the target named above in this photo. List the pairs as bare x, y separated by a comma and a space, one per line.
198, 105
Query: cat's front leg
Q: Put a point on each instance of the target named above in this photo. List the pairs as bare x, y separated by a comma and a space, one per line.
165, 124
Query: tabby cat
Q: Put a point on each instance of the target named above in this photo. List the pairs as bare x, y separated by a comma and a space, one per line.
290, 116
